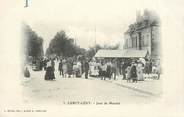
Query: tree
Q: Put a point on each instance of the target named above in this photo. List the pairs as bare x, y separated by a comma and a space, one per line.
92, 51
32, 43
62, 45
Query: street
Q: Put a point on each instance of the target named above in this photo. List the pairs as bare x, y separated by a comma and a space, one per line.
66, 90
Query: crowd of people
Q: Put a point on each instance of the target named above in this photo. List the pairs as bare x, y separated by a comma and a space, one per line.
68, 68
133, 70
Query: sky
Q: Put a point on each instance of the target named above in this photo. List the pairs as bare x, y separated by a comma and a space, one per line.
85, 20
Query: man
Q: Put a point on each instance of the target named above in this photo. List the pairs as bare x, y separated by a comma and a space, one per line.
109, 69
123, 68
86, 68
104, 69
60, 68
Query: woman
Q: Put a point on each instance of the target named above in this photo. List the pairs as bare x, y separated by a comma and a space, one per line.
79, 66
133, 72
140, 72
104, 68
99, 70
53, 64
70, 67
146, 69
113, 69
75, 69
60, 68
109, 70
128, 73
49, 75
64, 67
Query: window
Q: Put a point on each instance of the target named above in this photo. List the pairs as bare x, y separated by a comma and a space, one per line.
133, 42
142, 41
147, 40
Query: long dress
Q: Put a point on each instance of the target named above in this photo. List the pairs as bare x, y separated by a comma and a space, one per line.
133, 73
49, 75
64, 67
128, 72
109, 70
104, 69
113, 70
60, 68
70, 68
79, 66
146, 69
140, 72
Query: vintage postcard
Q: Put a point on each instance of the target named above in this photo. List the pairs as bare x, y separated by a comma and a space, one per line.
92, 58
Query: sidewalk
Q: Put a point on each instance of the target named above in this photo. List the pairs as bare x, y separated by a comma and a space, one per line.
148, 86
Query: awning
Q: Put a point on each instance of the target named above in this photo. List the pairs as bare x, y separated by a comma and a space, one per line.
109, 54
135, 53
121, 53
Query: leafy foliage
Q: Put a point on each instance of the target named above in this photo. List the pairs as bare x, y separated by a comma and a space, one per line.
33, 44
62, 45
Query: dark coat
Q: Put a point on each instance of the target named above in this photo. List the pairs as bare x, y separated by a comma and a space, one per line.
49, 75
86, 66
60, 66
53, 65
133, 72
70, 68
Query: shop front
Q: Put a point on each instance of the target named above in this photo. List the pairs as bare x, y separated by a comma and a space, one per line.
122, 58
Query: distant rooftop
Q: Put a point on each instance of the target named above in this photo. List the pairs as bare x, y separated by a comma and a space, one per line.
149, 18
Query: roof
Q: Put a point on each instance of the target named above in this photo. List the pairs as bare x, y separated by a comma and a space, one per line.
121, 53
134, 53
109, 54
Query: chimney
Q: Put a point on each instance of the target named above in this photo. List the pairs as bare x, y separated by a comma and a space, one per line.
138, 16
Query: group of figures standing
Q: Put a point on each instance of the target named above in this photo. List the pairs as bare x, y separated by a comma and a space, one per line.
133, 70
68, 67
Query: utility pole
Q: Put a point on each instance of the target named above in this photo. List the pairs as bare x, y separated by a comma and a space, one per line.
75, 41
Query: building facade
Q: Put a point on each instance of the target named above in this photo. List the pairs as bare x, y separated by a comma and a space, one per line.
144, 34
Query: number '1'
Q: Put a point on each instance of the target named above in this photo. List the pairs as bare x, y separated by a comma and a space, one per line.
26, 3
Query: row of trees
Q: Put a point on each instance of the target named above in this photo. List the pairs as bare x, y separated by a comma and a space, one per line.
32, 43
60, 45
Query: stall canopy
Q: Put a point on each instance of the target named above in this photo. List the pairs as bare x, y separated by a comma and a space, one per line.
121, 54
135, 53
109, 54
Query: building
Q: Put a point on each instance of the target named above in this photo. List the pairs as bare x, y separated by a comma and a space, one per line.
144, 34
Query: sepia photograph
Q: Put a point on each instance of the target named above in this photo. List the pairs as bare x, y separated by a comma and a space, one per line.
91, 58
89, 61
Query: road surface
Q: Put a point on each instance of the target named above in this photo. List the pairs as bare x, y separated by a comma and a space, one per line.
67, 90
